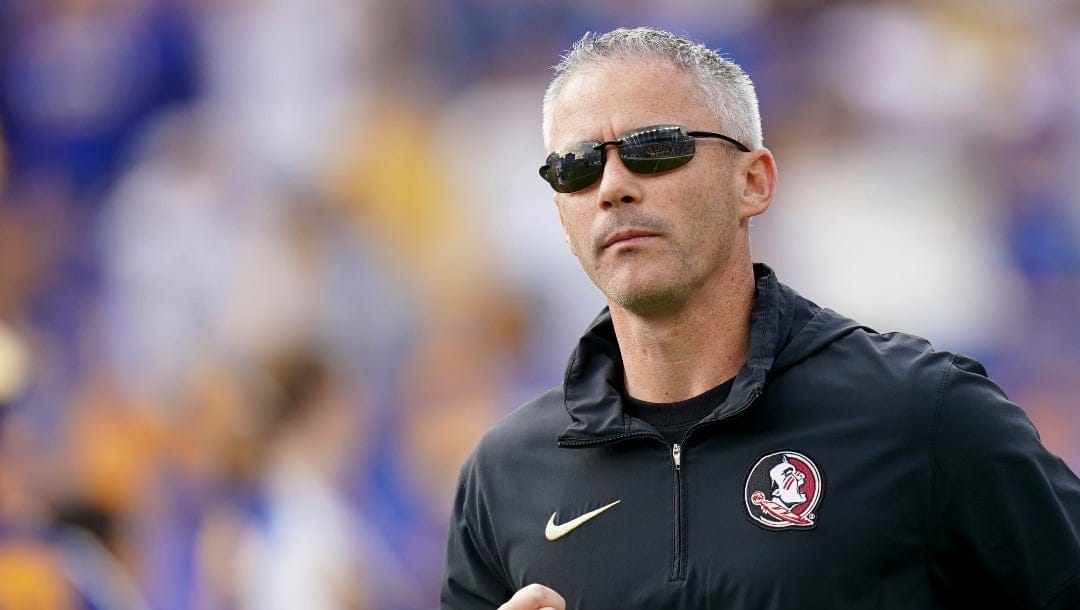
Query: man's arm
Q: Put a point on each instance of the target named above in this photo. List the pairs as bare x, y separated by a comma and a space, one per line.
1005, 513
469, 584
473, 576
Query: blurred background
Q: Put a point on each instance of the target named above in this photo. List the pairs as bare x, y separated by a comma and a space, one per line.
268, 268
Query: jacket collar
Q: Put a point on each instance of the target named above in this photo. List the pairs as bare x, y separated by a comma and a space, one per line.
594, 373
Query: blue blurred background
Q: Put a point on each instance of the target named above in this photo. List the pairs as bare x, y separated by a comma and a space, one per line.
269, 267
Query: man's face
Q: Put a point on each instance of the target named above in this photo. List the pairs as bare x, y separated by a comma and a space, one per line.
648, 242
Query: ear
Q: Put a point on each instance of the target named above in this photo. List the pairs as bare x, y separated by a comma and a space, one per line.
758, 184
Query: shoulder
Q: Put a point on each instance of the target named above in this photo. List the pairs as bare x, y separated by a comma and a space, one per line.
945, 380
538, 421
528, 430
897, 351
969, 415
904, 380
869, 364
974, 420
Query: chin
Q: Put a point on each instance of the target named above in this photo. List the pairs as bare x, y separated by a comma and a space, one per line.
647, 301
645, 287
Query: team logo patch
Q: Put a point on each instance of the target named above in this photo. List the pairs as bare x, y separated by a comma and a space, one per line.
783, 490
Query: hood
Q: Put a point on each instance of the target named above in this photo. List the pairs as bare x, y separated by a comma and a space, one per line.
785, 328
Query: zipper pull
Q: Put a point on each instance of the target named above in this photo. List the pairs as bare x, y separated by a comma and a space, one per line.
676, 453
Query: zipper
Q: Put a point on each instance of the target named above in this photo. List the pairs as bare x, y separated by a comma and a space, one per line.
678, 558
679, 553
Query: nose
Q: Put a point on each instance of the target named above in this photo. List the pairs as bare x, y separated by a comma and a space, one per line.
618, 185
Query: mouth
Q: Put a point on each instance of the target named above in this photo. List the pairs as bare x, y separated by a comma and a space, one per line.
628, 236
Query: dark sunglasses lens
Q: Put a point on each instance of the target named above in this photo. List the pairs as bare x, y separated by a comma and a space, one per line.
573, 170
656, 149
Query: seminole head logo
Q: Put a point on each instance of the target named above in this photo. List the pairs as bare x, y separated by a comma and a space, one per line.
782, 491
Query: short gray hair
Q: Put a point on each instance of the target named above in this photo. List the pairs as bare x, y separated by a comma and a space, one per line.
727, 89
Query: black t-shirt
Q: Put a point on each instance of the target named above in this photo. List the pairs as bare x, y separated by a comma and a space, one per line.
673, 419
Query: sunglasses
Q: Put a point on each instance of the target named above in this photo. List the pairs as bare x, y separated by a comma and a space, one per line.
647, 150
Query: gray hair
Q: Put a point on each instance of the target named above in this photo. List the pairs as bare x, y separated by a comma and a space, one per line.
726, 88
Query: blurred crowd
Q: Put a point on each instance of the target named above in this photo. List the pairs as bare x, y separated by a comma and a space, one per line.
269, 267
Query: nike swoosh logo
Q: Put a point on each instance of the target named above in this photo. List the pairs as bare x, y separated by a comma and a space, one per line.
553, 532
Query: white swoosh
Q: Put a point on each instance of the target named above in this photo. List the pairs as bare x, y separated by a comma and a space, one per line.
553, 532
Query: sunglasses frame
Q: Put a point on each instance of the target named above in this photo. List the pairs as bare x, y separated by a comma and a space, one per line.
593, 169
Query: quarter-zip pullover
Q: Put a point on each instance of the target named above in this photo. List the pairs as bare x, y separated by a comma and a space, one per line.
845, 469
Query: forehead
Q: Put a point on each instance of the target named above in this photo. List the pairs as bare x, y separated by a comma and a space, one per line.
619, 95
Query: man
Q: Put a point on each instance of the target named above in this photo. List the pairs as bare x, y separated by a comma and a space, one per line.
719, 441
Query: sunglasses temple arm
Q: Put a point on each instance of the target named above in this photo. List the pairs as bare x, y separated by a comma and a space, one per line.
708, 134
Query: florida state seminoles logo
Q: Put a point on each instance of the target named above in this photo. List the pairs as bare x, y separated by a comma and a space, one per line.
782, 491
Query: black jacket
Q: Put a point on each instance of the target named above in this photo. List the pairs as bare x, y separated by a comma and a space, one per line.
846, 469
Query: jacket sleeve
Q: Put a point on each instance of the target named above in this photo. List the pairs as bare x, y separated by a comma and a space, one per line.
472, 576
1004, 523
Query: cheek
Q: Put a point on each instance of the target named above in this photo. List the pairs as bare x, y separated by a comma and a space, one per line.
708, 214
709, 231
576, 229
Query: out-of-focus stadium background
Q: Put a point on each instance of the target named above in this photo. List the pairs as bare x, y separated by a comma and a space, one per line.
269, 267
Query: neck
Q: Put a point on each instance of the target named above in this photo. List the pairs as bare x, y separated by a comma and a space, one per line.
692, 349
